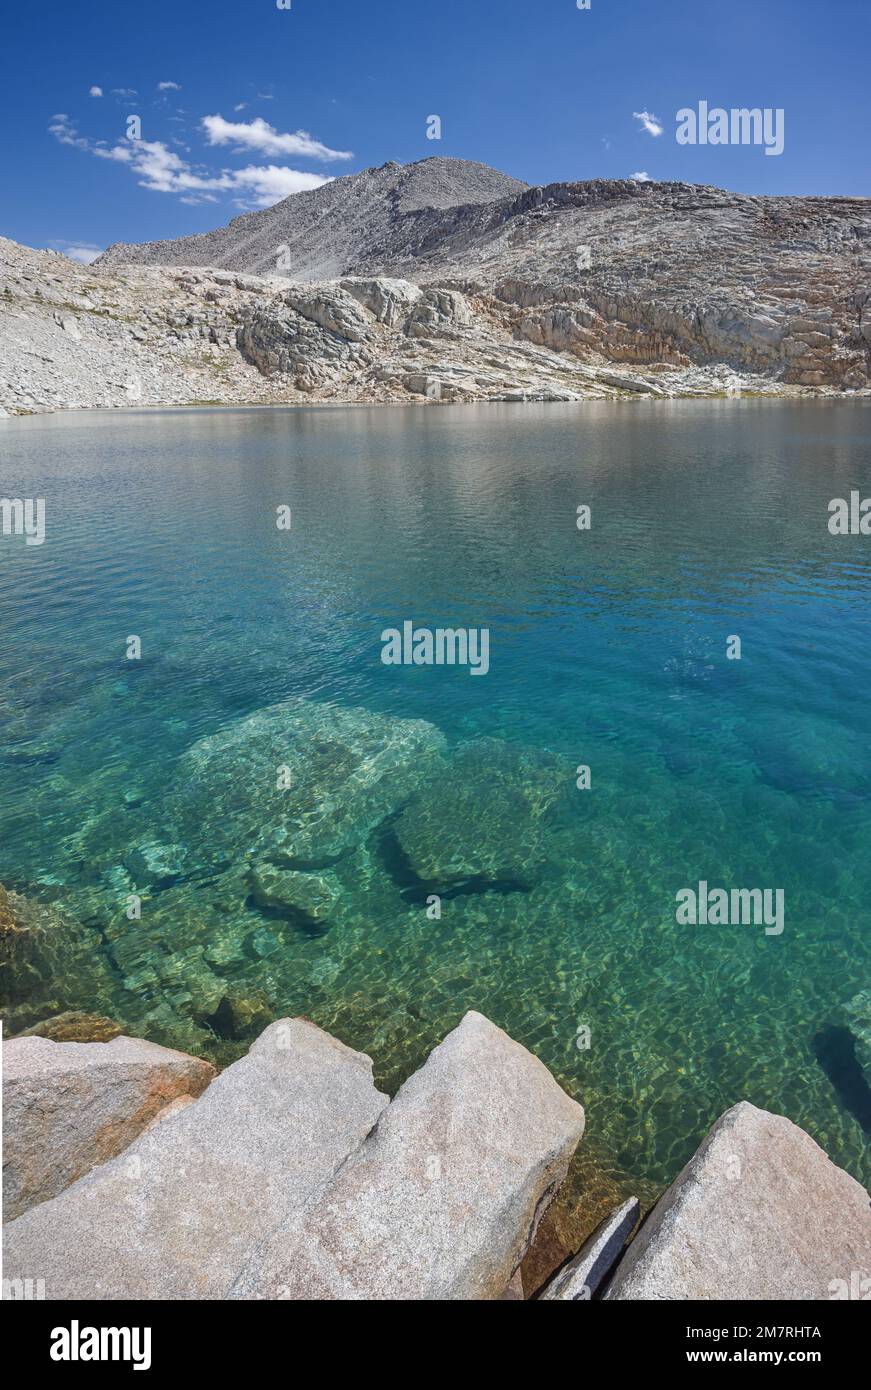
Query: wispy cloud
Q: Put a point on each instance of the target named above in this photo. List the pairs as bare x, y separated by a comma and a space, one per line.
649, 122
159, 169
168, 87
62, 128
260, 135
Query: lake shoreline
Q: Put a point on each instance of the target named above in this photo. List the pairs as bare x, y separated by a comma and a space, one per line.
790, 394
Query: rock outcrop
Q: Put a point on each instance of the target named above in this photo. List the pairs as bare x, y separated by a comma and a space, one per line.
445, 281
70, 1106
443, 1198
759, 1212
179, 1213
291, 1177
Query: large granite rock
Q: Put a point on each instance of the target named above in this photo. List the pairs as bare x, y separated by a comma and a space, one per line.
582, 1275
442, 1200
298, 783
759, 1212
389, 300
69, 1106
178, 1214
484, 816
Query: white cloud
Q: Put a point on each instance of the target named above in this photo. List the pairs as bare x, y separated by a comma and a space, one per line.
124, 93
159, 169
168, 87
270, 183
82, 252
259, 135
641, 176
240, 106
649, 122
95, 92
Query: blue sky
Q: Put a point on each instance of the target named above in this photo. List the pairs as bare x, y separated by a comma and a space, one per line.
257, 102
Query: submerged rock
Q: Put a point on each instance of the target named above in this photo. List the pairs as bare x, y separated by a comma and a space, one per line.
49, 964
69, 1106
75, 1026
299, 783
155, 865
483, 817
313, 896
759, 1212
444, 1196
178, 1214
858, 1020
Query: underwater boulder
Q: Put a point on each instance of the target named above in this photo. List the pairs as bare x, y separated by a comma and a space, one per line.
310, 895
153, 864
484, 817
49, 964
858, 1019
74, 1025
298, 783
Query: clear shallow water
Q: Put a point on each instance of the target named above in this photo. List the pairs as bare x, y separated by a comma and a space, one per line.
607, 648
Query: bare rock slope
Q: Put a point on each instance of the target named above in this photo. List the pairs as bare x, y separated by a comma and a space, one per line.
328, 229
445, 280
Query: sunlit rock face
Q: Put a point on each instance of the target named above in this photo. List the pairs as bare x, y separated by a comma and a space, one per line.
454, 275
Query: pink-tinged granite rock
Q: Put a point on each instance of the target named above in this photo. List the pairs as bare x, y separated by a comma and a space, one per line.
178, 1214
69, 1106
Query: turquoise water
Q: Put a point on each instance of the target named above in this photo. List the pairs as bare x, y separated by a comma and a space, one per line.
607, 648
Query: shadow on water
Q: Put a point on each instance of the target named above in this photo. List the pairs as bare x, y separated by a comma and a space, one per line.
835, 1050
417, 892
